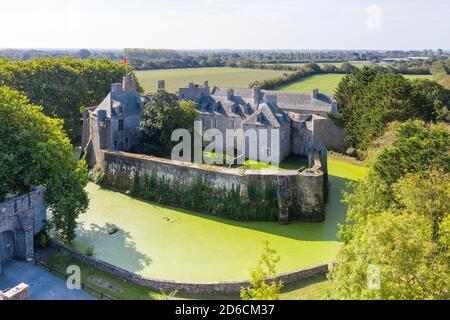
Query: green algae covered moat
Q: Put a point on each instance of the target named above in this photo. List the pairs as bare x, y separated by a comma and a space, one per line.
169, 243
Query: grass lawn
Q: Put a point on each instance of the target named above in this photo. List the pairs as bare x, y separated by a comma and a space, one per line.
169, 243
220, 76
326, 83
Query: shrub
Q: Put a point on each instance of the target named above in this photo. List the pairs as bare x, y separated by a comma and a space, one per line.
90, 251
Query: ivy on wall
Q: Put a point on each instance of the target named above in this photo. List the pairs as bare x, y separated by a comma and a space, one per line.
260, 203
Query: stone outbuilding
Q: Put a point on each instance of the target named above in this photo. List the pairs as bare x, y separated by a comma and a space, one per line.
21, 218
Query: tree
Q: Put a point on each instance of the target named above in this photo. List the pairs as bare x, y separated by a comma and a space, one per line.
84, 54
162, 115
368, 101
401, 247
398, 219
34, 150
63, 86
348, 67
263, 285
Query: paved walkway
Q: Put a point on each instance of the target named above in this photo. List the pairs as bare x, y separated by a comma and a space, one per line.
43, 285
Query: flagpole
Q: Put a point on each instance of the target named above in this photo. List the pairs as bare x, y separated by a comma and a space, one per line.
126, 61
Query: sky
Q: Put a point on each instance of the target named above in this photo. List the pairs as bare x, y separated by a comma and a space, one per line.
226, 24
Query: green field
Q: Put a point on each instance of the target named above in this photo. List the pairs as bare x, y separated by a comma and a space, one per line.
168, 243
220, 76
326, 83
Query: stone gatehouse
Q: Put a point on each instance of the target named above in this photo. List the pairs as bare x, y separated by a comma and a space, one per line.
21, 218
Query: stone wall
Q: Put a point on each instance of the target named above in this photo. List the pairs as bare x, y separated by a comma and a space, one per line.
168, 286
19, 292
23, 216
302, 192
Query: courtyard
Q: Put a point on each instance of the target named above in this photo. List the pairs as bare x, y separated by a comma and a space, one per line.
43, 285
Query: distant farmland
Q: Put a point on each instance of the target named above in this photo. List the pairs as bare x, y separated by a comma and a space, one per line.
326, 83
220, 76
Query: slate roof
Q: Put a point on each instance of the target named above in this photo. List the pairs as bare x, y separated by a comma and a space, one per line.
272, 116
240, 92
303, 101
130, 101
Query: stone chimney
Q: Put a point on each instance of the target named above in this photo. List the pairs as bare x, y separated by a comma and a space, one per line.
315, 93
117, 87
206, 84
161, 84
256, 94
230, 93
128, 82
271, 99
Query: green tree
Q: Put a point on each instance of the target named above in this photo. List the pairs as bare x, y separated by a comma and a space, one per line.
368, 101
63, 86
162, 115
398, 219
263, 285
401, 245
415, 148
34, 150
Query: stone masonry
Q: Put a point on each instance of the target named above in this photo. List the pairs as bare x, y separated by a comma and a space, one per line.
21, 218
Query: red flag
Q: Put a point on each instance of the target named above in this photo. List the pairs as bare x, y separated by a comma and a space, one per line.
124, 60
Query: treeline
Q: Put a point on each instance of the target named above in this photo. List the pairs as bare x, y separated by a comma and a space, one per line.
62, 86
28, 54
368, 100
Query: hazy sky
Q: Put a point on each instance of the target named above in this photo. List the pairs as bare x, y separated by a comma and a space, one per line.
234, 24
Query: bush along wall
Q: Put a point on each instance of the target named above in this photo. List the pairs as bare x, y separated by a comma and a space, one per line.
260, 202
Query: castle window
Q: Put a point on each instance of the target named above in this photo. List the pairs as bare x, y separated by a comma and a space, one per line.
126, 141
115, 143
120, 110
260, 118
121, 125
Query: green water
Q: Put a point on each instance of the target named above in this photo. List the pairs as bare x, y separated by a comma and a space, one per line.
167, 243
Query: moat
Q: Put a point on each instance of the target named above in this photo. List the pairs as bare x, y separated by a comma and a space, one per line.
168, 243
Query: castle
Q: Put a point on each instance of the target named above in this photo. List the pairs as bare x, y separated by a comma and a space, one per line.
300, 119
112, 128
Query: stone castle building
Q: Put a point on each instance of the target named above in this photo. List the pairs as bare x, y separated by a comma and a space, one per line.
114, 123
300, 119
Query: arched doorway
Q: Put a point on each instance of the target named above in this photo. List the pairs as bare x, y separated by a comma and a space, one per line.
6, 246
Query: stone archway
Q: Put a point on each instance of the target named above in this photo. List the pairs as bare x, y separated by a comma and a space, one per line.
7, 246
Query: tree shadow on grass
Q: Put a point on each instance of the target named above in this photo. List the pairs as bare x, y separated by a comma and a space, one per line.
111, 244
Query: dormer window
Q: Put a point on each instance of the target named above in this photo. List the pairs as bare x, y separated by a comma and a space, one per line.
120, 110
260, 118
